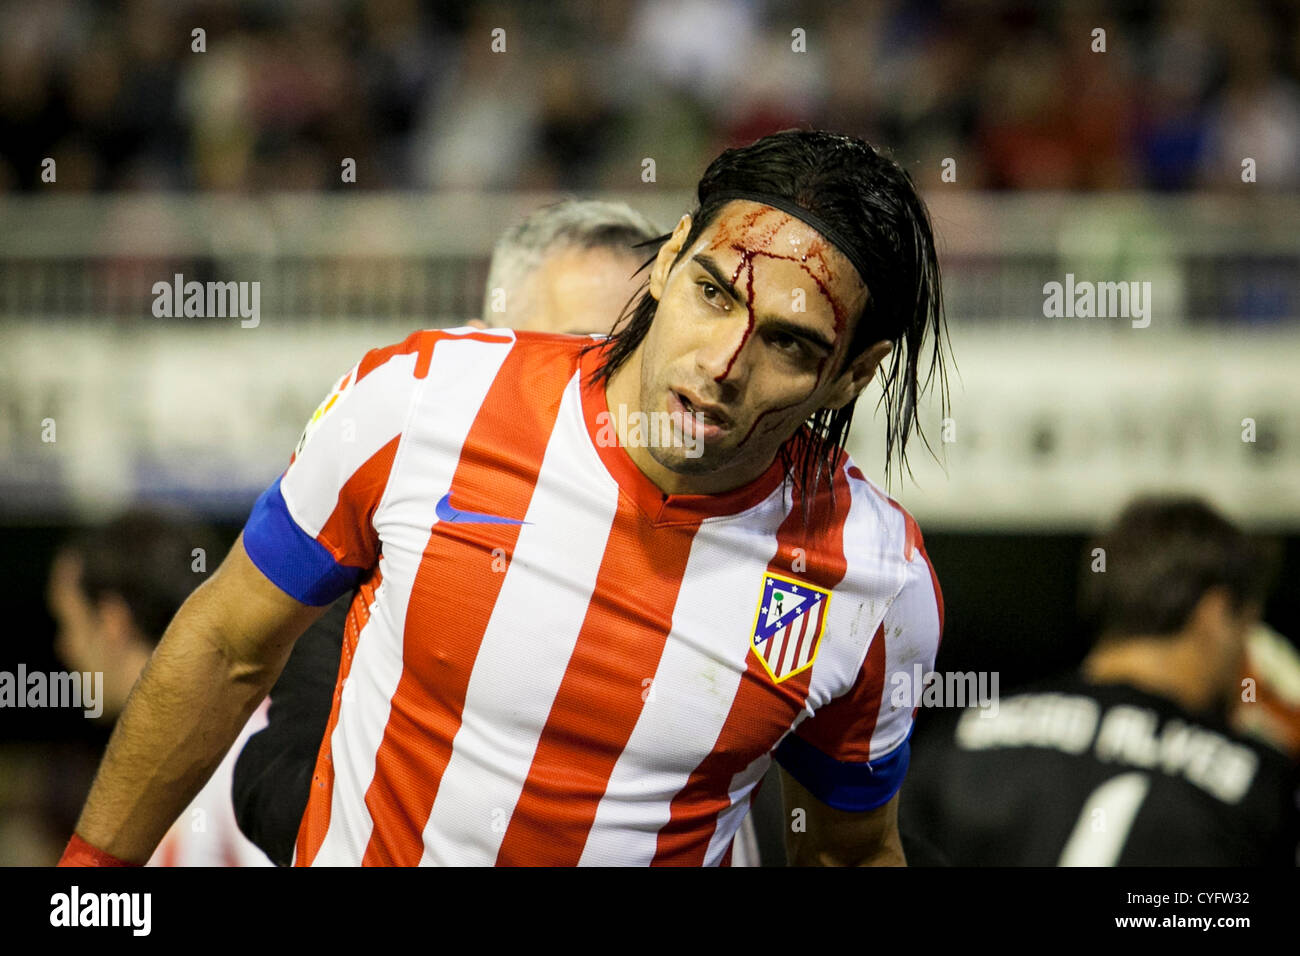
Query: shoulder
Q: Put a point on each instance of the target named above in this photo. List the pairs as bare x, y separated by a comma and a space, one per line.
527, 351
882, 537
903, 531
462, 360
414, 354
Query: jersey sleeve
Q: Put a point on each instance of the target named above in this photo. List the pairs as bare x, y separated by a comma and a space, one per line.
312, 532
852, 754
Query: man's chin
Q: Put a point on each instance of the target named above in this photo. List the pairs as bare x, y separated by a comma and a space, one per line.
690, 460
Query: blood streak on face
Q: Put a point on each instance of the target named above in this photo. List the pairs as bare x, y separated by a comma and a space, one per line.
761, 246
762, 402
753, 246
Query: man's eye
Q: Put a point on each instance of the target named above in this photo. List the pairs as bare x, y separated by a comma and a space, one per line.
789, 345
710, 293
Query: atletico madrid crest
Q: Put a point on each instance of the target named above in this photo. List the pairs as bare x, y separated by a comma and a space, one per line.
788, 626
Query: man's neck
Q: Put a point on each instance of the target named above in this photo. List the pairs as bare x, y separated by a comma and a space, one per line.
1168, 667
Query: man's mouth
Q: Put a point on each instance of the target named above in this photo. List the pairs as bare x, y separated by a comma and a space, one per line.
699, 418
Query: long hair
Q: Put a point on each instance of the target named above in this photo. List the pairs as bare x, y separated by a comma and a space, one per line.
872, 204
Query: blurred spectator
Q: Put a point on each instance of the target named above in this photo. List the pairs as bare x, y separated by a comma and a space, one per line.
574, 94
1256, 112
477, 132
112, 592
1169, 132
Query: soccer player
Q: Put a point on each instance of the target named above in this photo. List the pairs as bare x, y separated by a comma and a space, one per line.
1129, 762
603, 583
569, 267
112, 591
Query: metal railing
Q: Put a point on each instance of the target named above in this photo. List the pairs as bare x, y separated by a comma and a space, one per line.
1214, 258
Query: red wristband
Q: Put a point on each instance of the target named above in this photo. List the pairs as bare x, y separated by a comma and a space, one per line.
80, 853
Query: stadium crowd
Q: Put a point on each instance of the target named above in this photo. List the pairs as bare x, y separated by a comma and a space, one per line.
1020, 95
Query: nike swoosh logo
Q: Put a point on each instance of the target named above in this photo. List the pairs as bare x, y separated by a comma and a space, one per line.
446, 512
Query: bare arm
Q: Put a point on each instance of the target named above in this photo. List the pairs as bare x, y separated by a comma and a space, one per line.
217, 660
833, 837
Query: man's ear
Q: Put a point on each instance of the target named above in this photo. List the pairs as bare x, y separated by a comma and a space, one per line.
858, 375
667, 253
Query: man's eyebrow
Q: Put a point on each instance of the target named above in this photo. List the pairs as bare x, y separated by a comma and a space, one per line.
706, 263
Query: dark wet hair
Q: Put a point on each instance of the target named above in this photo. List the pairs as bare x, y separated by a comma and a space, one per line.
872, 205
1162, 555
146, 557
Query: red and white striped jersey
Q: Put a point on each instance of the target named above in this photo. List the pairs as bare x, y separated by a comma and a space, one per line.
549, 661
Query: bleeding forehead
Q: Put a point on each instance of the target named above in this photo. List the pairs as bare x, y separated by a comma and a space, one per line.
751, 235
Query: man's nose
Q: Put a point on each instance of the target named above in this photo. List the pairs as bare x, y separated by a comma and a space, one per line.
724, 356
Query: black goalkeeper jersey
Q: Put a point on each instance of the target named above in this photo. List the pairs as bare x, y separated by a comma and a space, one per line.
1074, 773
